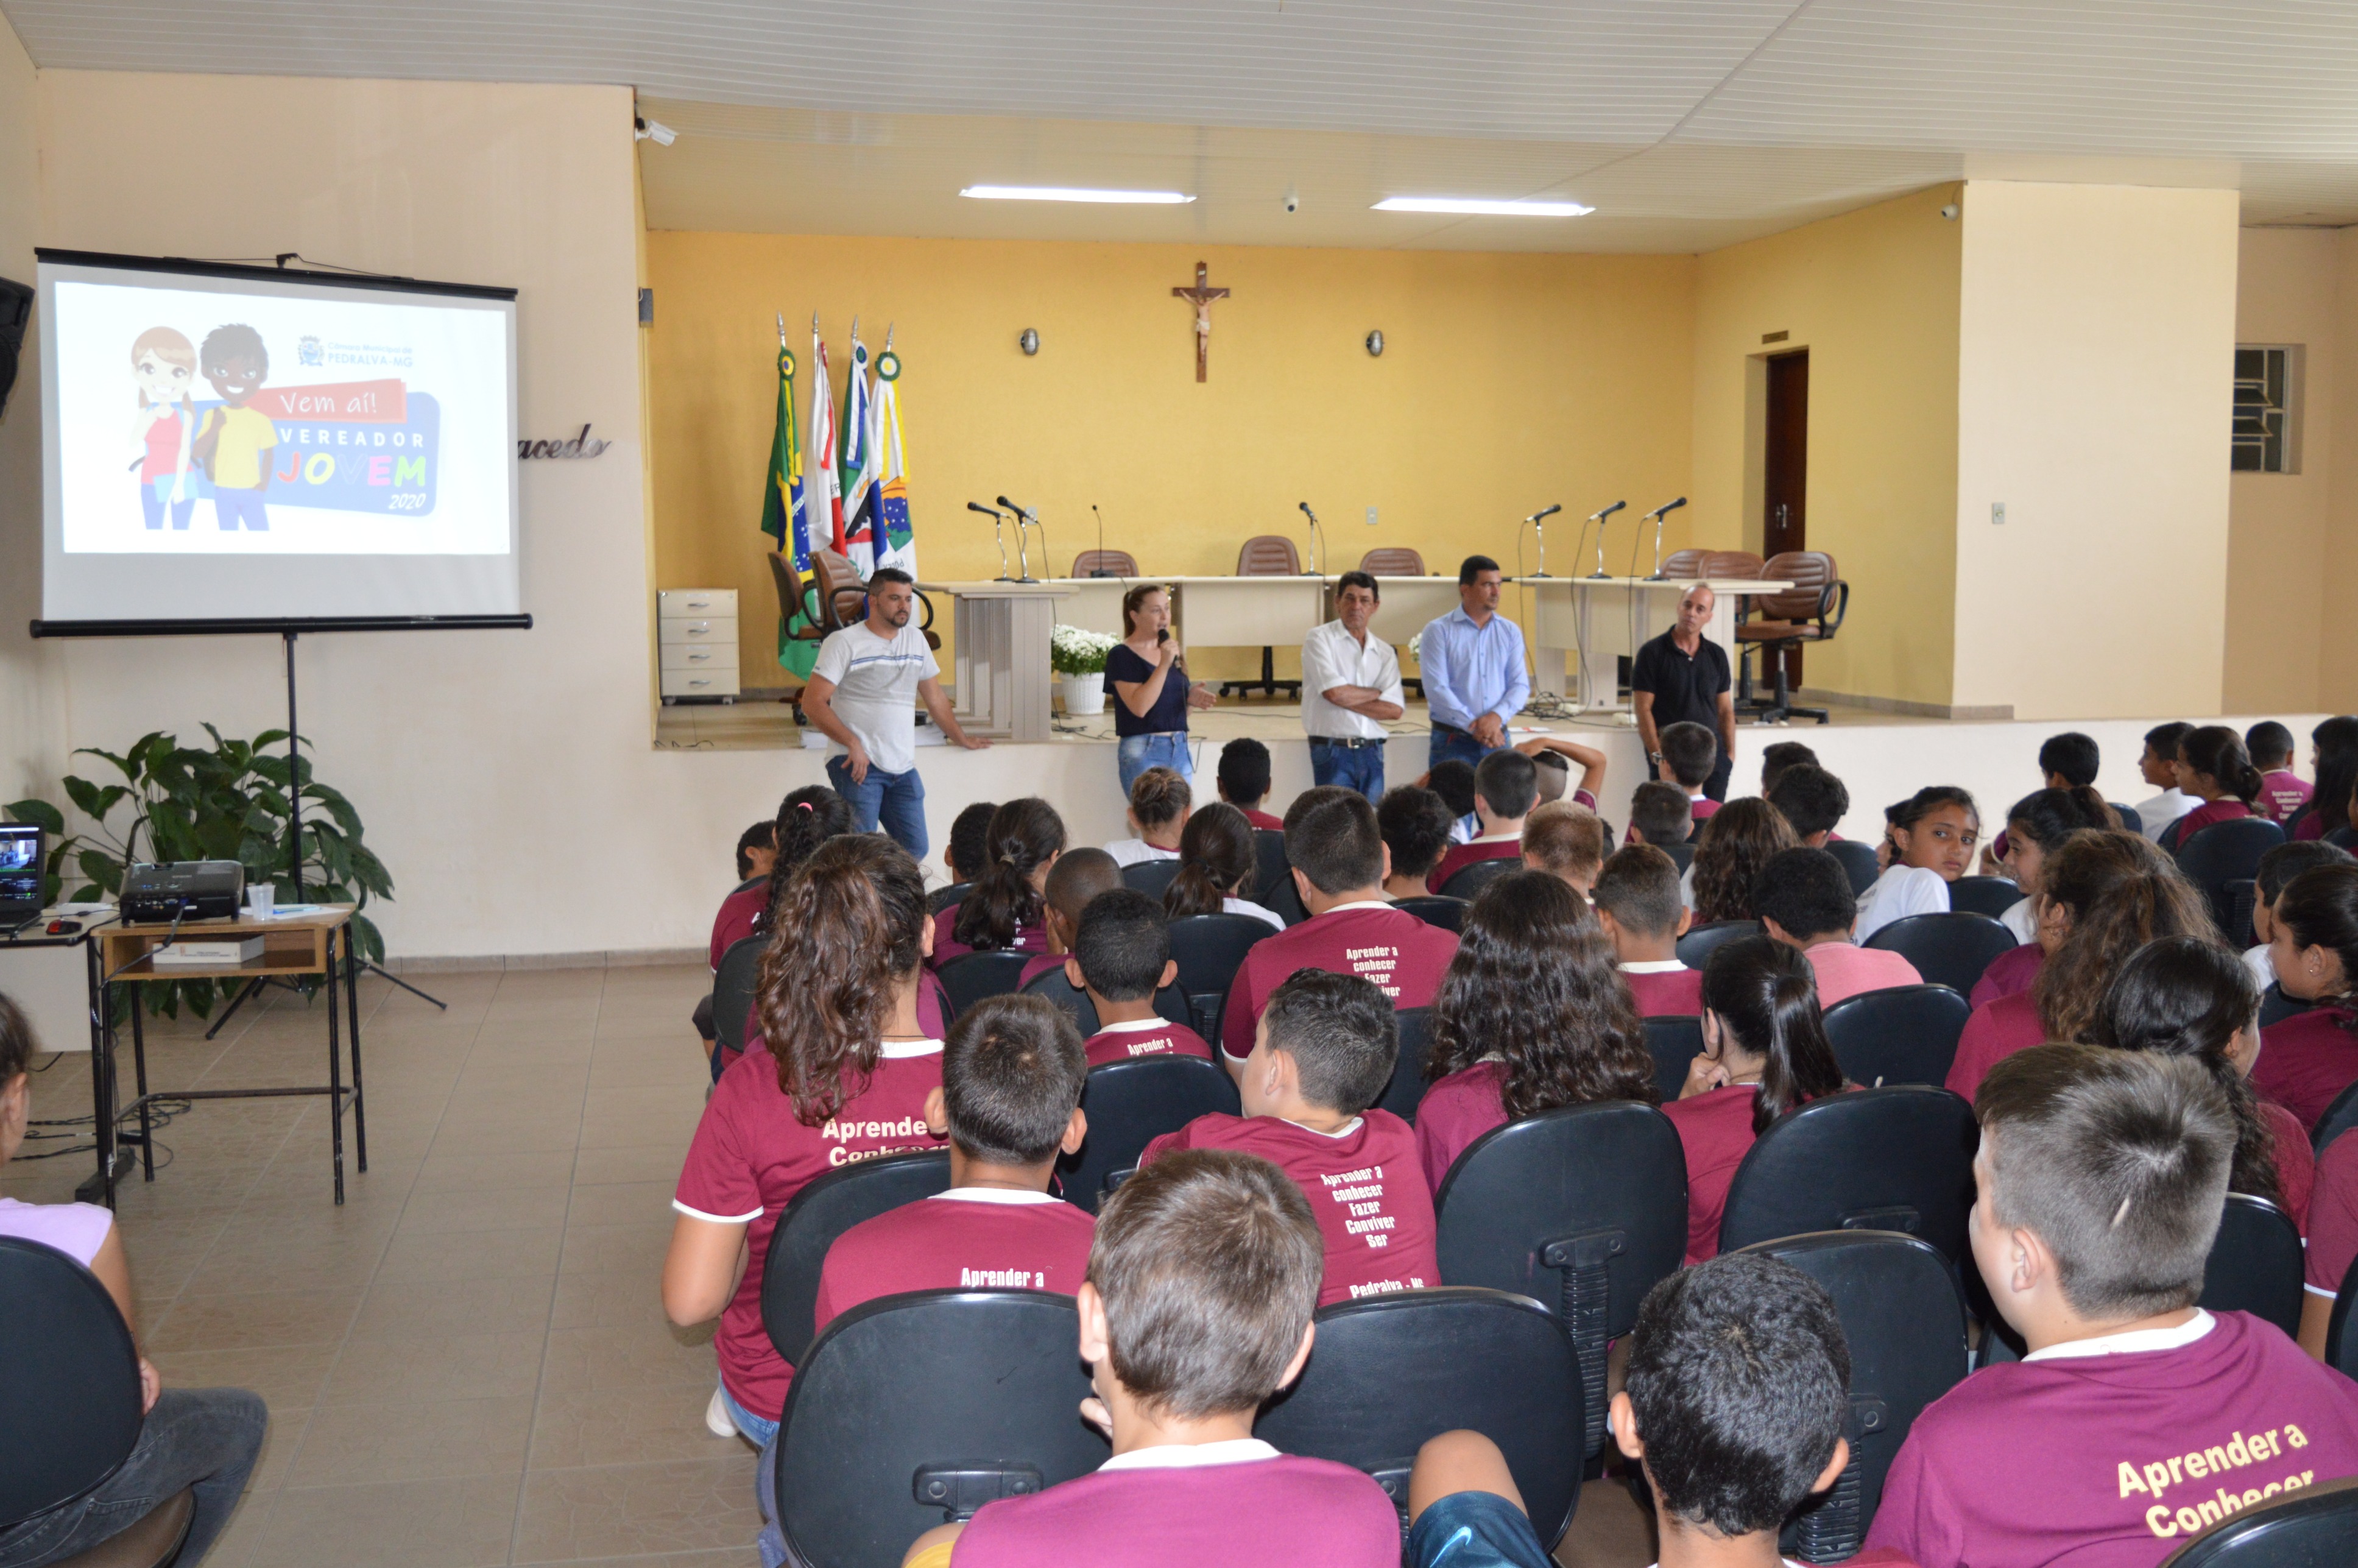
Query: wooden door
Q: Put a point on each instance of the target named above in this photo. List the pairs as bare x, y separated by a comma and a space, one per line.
1786, 472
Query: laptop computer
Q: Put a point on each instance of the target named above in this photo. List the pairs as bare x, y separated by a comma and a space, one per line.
20, 873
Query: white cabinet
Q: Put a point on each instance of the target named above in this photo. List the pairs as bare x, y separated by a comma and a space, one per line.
696, 633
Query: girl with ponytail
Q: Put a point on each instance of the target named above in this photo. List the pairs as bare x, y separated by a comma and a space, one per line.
1003, 911
2035, 829
806, 818
2313, 1056
1764, 1054
2214, 767
1216, 862
840, 1073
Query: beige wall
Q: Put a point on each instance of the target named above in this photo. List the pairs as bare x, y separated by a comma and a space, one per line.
1872, 296
29, 745
2097, 325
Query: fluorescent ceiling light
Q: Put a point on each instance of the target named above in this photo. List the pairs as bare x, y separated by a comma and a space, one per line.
1067, 193
1480, 208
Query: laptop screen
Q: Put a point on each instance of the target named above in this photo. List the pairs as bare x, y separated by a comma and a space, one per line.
20, 869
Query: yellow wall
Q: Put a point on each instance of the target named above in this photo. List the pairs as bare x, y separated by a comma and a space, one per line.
1507, 382
1872, 296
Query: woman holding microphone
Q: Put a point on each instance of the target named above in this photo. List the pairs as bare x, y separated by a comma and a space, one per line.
1148, 681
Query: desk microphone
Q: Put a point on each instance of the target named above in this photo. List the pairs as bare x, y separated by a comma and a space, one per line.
1545, 512
998, 532
1657, 514
1598, 518
978, 506
1026, 514
1098, 570
1601, 517
1535, 523
1317, 537
1667, 506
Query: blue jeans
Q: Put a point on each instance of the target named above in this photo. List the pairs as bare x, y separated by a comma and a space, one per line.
1353, 767
1456, 745
894, 801
1163, 749
201, 1439
755, 1430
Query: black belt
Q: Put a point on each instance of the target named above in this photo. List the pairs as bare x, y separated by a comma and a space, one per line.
1354, 743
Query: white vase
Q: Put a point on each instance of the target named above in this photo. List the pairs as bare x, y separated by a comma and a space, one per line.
1084, 694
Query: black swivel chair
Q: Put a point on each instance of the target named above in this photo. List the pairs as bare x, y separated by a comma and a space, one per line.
1406, 1091
1991, 896
1130, 1104
914, 1410
1905, 1034
1906, 1326
1273, 887
1149, 877
2227, 852
1389, 1372
1889, 1159
1697, 946
70, 1400
1208, 949
1857, 862
2338, 1117
1582, 1208
941, 899
733, 984
1449, 914
971, 977
1950, 949
2340, 1345
1675, 1041
1467, 881
2255, 1264
2315, 1527
825, 1209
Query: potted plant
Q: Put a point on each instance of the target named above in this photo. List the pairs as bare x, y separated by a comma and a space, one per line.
1078, 657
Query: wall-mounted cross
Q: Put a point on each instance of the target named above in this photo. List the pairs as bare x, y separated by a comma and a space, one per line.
1202, 294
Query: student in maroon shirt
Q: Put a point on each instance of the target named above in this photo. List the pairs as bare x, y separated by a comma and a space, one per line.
2212, 767
2334, 763
1339, 864
1506, 787
1322, 1054
1078, 876
2036, 828
1811, 800
2282, 791
2136, 1418
1121, 958
2332, 1239
1568, 842
1243, 779
1414, 824
1690, 755
1196, 1309
1009, 1102
1641, 912
2306, 1060
1764, 1053
1001, 913
807, 817
1802, 898
1739, 840
757, 849
1532, 1015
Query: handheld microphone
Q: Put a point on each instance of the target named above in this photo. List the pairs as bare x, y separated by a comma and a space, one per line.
1545, 512
1601, 517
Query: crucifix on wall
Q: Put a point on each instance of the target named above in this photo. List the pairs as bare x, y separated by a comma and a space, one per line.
1202, 295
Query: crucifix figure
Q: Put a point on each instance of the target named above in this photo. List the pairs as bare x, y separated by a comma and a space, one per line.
1203, 294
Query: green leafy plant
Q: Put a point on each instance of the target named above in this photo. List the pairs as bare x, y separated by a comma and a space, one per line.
230, 802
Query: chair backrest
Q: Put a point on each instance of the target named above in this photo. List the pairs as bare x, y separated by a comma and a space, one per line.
1449, 913
2314, 1526
70, 1382
1950, 949
1684, 563
788, 584
1208, 949
1393, 560
2340, 1345
1273, 887
1468, 881
2242, 898
2255, 1264
2227, 852
1738, 565
2275, 1005
942, 898
2338, 1117
1268, 554
1121, 563
823, 1210
838, 581
1675, 1041
1812, 573
1149, 877
1406, 1091
1130, 1104
1682, 855
733, 985
1697, 946
1054, 986
981, 1389
1905, 1034
1991, 896
1387, 1372
1582, 1208
1857, 862
1904, 1323
971, 977
2131, 818
1899, 1158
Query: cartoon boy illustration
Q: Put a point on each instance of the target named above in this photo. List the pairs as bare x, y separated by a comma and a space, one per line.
234, 440
164, 366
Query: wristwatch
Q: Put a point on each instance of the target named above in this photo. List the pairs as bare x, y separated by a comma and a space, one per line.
1654, 756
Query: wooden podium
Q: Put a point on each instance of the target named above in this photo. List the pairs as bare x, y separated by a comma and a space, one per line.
1002, 667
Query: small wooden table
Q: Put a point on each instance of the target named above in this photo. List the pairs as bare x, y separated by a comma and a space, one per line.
320, 943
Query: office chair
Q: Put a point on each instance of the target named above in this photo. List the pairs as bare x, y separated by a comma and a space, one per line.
1900, 1158
1950, 949
1905, 1035
823, 1210
1130, 1104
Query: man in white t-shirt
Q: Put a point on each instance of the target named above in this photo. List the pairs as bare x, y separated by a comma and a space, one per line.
862, 696
1350, 685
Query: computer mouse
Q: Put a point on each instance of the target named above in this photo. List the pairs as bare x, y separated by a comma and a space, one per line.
64, 927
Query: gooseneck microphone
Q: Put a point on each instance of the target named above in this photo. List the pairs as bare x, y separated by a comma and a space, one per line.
998, 532
1023, 558
1548, 511
1098, 570
1657, 514
1667, 506
1601, 517
1317, 540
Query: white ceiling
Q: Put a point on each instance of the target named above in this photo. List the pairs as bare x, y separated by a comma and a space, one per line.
1688, 123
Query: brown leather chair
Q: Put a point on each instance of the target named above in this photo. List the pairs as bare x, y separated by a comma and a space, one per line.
1742, 565
1266, 554
1393, 560
1811, 611
843, 597
1685, 564
1113, 563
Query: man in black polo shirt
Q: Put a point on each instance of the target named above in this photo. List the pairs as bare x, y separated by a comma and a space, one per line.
1682, 678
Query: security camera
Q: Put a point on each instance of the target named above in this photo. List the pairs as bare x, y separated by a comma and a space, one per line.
1950, 211
1293, 202
655, 131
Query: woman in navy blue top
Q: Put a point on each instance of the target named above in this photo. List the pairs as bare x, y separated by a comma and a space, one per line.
1152, 693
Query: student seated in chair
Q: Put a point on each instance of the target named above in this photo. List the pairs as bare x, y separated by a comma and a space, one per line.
2278, 868
1659, 814
1322, 1054
1001, 913
805, 819
2309, 1058
1078, 876
1121, 957
1159, 800
1927, 843
2137, 1419
2159, 764
1803, 899
1243, 779
1690, 753
203, 1439
1453, 781
1506, 787
2282, 791
1217, 860
1639, 910
1738, 1389
1812, 800
968, 855
1010, 1103
1414, 824
757, 851
1567, 841
1556, 757
1196, 1309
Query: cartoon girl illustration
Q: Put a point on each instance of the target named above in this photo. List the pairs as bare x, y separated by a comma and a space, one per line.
164, 366
234, 441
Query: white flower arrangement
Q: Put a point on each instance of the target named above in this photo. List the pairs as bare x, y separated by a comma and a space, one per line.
1074, 652
1415, 646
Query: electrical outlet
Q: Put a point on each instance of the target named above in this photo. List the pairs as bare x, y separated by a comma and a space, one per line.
1997, 511
1371, 516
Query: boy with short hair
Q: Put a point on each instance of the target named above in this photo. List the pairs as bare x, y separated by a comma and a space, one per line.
1160, 799
1322, 1056
1781, 757
1506, 787
1453, 781
2069, 761
1009, 1100
2277, 870
1659, 814
1812, 800
1077, 877
1803, 899
1196, 1309
2282, 791
2159, 764
2137, 1419
1639, 907
1415, 825
1690, 753
757, 851
1243, 778
1566, 841
1121, 959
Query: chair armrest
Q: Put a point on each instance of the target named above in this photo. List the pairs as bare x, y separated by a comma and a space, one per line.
1838, 594
926, 604
859, 597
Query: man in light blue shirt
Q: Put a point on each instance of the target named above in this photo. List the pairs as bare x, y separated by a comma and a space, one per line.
1472, 660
